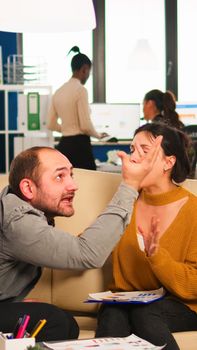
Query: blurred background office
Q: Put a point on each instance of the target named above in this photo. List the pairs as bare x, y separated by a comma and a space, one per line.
137, 46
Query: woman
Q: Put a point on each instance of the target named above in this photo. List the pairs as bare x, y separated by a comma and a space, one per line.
160, 106
165, 216
70, 105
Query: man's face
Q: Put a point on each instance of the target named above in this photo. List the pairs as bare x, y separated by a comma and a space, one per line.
56, 188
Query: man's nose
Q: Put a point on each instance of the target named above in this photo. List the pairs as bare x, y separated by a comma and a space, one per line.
71, 185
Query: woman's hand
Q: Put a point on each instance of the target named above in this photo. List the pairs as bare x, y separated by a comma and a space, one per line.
151, 238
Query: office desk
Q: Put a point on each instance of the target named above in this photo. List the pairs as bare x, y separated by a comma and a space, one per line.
109, 168
100, 148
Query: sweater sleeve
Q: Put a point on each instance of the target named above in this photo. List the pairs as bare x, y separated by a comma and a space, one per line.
179, 278
85, 122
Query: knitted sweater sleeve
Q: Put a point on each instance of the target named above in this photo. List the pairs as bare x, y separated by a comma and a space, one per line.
179, 277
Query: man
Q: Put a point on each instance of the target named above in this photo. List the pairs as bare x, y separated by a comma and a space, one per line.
41, 187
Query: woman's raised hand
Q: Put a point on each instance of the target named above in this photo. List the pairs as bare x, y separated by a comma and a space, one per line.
151, 238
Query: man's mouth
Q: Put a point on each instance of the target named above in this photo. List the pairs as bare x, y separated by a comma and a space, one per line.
68, 199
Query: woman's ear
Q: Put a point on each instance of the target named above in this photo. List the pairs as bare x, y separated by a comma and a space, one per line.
169, 162
27, 188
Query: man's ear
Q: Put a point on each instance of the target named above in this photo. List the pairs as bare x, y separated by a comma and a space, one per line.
27, 188
170, 161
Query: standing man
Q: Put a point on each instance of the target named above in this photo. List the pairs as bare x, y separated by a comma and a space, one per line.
70, 105
41, 187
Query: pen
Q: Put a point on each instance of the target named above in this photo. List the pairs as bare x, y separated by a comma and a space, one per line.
16, 328
37, 328
23, 326
9, 336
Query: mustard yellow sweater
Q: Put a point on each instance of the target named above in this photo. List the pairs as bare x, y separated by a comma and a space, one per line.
174, 266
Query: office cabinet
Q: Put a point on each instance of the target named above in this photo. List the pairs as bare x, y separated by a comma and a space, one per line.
13, 120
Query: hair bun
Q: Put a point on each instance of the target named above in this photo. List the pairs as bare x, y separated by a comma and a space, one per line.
74, 49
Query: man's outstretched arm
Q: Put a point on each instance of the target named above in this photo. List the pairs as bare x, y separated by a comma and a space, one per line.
48, 246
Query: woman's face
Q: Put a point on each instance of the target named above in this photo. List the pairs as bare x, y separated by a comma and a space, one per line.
145, 140
149, 109
146, 110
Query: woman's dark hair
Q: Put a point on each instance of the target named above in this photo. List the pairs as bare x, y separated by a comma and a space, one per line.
165, 103
175, 143
79, 59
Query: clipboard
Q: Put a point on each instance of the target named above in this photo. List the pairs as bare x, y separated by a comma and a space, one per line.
135, 297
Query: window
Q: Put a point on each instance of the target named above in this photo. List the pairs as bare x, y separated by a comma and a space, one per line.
187, 50
135, 49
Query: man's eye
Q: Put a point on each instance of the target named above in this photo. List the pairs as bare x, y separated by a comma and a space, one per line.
59, 177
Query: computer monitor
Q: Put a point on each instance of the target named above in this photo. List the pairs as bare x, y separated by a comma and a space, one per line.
187, 112
117, 120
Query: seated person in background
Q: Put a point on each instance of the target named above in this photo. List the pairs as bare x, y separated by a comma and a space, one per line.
41, 187
160, 106
165, 216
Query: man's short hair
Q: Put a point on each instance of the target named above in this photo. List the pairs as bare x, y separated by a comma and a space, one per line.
25, 165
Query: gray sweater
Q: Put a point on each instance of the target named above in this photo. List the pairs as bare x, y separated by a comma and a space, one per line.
28, 242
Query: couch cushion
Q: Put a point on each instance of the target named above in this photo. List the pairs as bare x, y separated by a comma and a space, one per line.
42, 291
71, 288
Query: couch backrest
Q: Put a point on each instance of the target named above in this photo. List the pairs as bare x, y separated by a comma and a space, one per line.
3, 181
191, 185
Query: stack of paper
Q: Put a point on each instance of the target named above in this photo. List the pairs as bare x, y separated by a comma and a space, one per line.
146, 296
128, 343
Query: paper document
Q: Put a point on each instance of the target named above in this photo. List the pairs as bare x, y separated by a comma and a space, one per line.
146, 296
128, 343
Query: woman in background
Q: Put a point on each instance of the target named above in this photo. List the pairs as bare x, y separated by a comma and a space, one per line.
70, 105
160, 106
158, 248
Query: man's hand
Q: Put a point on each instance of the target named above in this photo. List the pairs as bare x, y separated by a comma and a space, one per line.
134, 172
151, 239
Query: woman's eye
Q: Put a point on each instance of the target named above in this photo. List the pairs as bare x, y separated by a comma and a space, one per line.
132, 150
146, 150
